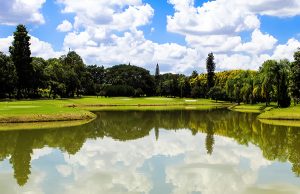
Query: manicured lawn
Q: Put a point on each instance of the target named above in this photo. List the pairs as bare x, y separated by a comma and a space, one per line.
291, 113
40, 110
92, 101
254, 108
78, 108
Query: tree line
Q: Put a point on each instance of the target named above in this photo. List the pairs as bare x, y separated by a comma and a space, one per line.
23, 76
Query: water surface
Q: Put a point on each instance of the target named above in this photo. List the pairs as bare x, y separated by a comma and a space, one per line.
207, 152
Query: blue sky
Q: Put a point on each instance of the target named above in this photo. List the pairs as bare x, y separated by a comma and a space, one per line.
177, 34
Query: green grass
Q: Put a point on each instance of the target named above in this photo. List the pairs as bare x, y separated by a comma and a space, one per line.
79, 108
151, 101
291, 113
40, 110
41, 125
253, 108
290, 123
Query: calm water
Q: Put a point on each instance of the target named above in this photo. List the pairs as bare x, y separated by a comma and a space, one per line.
178, 152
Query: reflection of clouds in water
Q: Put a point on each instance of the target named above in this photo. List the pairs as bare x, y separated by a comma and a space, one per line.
110, 166
33, 186
222, 172
64, 170
38, 153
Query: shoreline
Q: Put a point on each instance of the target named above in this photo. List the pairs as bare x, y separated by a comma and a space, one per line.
34, 112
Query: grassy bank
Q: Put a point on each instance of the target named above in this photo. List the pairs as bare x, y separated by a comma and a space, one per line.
291, 113
40, 111
28, 111
251, 108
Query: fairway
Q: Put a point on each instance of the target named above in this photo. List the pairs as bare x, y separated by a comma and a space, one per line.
79, 108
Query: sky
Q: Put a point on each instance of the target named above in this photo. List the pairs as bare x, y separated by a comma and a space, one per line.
176, 34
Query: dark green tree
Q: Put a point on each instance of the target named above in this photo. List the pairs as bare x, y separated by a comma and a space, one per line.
8, 76
210, 67
157, 80
20, 53
295, 77
216, 93
194, 74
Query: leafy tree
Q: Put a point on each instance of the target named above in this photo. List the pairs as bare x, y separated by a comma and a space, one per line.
210, 67
57, 78
20, 53
267, 79
8, 76
39, 78
295, 77
284, 99
75, 69
132, 76
194, 74
216, 93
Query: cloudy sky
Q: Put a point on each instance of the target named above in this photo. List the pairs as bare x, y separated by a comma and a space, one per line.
177, 34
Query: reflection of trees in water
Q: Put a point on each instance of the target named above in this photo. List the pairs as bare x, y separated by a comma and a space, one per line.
209, 141
276, 142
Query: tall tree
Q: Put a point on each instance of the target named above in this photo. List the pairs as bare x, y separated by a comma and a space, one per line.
20, 53
210, 67
157, 73
158, 86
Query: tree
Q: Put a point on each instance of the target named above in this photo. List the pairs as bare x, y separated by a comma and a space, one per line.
216, 93
284, 99
131, 76
20, 53
210, 67
295, 77
194, 74
39, 78
266, 74
8, 76
75, 69
157, 80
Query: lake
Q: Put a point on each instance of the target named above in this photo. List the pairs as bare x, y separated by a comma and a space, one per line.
155, 152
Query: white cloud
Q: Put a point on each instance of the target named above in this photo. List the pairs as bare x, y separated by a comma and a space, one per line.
286, 51
5, 43
232, 168
64, 170
38, 47
109, 15
14, 12
42, 49
225, 16
65, 26
259, 43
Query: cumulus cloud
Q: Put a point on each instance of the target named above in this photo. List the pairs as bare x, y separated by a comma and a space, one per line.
286, 51
123, 168
108, 33
225, 16
38, 47
109, 15
65, 26
14, 12
259, 43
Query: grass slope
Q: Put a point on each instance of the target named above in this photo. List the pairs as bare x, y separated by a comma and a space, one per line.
291, 113
253, 108
40, 111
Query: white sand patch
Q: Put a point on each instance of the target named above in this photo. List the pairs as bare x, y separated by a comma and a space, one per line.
190, 100
22, 106
160, 99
